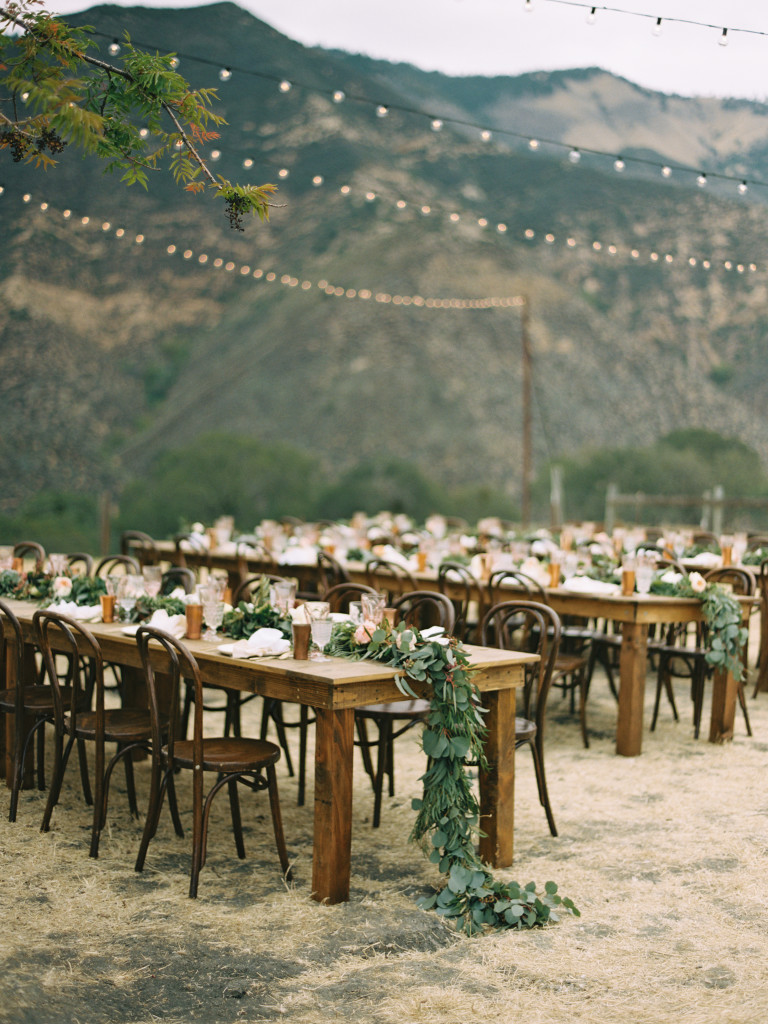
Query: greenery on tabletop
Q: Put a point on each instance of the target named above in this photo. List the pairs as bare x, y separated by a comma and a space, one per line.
242, 622
146, 606
448, 813
754, 557
724, 635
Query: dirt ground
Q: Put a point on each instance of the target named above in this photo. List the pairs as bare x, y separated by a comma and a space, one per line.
665, 855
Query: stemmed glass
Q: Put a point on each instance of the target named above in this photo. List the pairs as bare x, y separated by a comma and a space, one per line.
373, 607
322, 627
213, 610
129, 588
153, 578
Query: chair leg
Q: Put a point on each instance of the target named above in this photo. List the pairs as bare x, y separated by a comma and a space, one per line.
273, 709
40, 755
365, 746
157, 787
84, 780
583, 694
60, 759
237, 821
382, 761
277, 822
541, 783
743, 706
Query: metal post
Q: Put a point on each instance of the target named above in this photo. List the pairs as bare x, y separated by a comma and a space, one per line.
527, 468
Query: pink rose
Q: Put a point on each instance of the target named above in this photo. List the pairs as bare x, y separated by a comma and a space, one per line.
364, 632
62, 586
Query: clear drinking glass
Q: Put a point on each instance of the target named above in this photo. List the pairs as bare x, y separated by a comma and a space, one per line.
129, 589
153, 578
321, 635
284, 595
213, 611
644, 569
373, 607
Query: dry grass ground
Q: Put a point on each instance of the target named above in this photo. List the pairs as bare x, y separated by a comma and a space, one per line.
665, 855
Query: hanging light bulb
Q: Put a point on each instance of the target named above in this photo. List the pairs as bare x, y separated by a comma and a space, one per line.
285, 85
225, 74
528, 6
656, 30
339, 96
215, 154
317, 181
436, 125
533, 143
592, 16
701, 180
666, 171
174, 62
485, 135
114, 48
2, 189
381, 110
723, 40
742, 187
618, 165
574, 156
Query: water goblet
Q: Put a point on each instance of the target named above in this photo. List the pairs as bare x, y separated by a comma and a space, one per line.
129, 588
373, 607
284, 595
153, 579
644, 569
321, 635
213, 611
58, 564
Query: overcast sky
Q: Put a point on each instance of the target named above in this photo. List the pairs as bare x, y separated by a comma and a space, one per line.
495, 37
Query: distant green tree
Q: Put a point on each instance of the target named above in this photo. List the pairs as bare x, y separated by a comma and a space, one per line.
136, 113
394, 485
58, 520
220, 474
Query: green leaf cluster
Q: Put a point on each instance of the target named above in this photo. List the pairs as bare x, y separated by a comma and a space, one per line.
447, 818
243, 621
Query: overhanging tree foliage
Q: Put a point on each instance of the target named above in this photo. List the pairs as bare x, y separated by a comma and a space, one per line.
138, 115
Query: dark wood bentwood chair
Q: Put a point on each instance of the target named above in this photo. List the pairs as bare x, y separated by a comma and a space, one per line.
535, 628
80, 716
421, 608
235, 760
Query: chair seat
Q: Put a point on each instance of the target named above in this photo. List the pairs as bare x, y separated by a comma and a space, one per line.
396, 709
525, 730
120, 726
227, 754
37, 699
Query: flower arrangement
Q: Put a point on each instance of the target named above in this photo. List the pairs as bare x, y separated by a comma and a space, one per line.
448, 812
243, 621
37, 586
724, 634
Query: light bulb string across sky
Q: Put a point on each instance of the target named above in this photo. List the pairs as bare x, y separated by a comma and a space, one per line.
658, 20
486, 131
528, 235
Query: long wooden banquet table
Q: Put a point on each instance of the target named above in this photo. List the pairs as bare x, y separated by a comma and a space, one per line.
635, 614
334, 688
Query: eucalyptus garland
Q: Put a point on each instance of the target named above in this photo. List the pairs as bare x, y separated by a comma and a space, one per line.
448, 813
724, 635
243, 621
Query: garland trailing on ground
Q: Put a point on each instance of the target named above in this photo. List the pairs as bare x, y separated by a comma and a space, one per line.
448, 813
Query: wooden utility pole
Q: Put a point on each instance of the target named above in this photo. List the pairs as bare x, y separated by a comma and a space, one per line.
525, 501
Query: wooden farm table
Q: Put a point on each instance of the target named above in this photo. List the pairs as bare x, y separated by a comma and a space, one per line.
636, 614
334, 688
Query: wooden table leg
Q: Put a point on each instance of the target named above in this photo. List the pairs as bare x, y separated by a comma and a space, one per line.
632, 666
497, 785
334, 750
724, 693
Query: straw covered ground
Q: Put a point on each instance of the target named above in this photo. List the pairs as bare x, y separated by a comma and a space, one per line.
664, 854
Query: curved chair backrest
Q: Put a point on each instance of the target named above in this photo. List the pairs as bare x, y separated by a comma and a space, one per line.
534, 628
30, 549
338, 597
112, 565
250, 583
390, 577
178, 576
156, 650
532, 587
10, 629
754, 543
423, 608
741, 580
140, 545
61, 634
330, 573
464, 587
81, 561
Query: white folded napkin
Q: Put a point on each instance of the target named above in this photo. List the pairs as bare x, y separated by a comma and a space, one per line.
298, 554
174, 625
83, 613
707, 559
264, 643
586, 585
